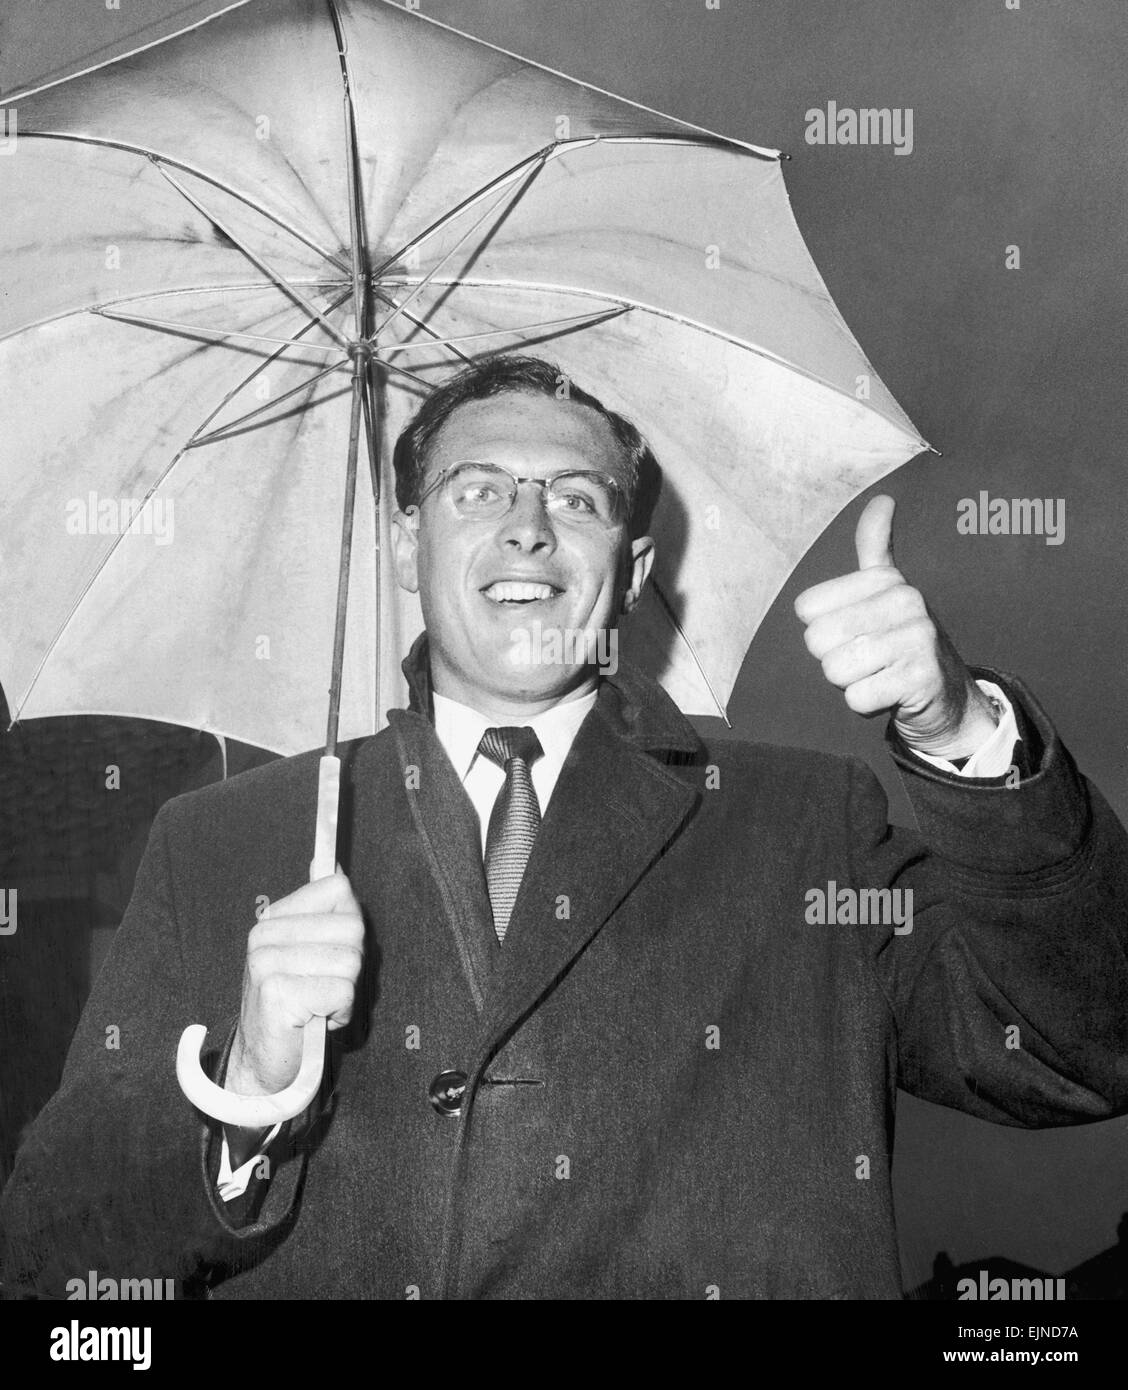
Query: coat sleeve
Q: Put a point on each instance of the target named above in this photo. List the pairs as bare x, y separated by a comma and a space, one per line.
1010, 993
117, 1173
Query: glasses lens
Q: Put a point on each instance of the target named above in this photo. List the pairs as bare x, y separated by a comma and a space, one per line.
479, 490
584, 497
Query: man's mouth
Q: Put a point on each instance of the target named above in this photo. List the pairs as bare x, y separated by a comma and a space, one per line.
520, 591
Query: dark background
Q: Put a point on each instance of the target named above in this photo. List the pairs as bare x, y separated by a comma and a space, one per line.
1019, 133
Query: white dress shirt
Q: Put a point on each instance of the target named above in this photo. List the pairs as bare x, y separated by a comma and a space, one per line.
460, 729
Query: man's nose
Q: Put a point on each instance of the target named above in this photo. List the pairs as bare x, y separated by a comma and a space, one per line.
527, 525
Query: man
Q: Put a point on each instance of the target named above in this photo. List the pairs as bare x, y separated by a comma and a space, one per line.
603, 1023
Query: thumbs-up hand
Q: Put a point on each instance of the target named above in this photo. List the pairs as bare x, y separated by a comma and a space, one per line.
881, 647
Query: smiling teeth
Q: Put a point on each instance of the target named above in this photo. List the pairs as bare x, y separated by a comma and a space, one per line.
514, 592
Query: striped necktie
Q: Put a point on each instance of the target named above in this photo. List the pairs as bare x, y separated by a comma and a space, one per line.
515, 818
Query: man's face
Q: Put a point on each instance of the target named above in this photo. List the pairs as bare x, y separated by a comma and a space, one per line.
480, 654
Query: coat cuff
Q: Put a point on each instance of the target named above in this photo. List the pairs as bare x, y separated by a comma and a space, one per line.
268, 1202
1034, 823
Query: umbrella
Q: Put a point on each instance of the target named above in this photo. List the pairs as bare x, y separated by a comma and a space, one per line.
239, 259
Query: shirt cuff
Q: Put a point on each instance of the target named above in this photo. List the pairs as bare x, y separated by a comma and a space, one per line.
231, 1185
996, 756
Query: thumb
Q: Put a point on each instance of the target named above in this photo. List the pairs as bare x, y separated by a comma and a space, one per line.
873, 540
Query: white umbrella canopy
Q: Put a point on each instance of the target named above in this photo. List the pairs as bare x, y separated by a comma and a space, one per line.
195, 238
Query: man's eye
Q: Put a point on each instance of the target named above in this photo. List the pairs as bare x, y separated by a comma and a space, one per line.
480, 493
575, 502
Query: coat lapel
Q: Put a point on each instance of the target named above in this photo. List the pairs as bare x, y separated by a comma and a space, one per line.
613, 811
447, 825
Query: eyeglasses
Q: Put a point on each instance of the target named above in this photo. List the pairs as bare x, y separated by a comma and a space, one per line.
486, 492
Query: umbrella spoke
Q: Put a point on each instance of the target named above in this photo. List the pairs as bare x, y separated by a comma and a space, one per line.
673, 617
235, 425
218, 335
402, 371
437, 337
513, 199
279, 279
540, 158
251, 375
573, 321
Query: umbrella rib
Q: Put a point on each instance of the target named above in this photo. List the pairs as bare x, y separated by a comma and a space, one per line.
234, 425
151, 294
513, 199
218, 335
52, 81
575, 320
438, 24
219, 287
586, 86
279, 279
469, 282
668, 609
331, 256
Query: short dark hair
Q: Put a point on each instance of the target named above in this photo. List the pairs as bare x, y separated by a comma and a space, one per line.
501, 372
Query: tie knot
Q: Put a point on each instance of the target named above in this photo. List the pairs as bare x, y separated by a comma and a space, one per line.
500, 745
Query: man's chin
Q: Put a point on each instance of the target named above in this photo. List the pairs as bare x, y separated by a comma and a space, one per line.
534, 683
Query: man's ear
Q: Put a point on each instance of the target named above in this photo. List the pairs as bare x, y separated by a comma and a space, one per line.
405, 548
640, 562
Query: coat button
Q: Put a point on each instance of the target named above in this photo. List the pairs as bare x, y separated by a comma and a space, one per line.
446, 1092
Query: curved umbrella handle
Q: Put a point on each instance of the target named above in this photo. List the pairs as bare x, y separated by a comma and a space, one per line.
250, 1112
263, 1112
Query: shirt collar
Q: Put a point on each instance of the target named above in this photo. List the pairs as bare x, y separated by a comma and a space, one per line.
460, 728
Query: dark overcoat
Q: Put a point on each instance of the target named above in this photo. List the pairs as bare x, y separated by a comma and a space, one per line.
678, 1085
